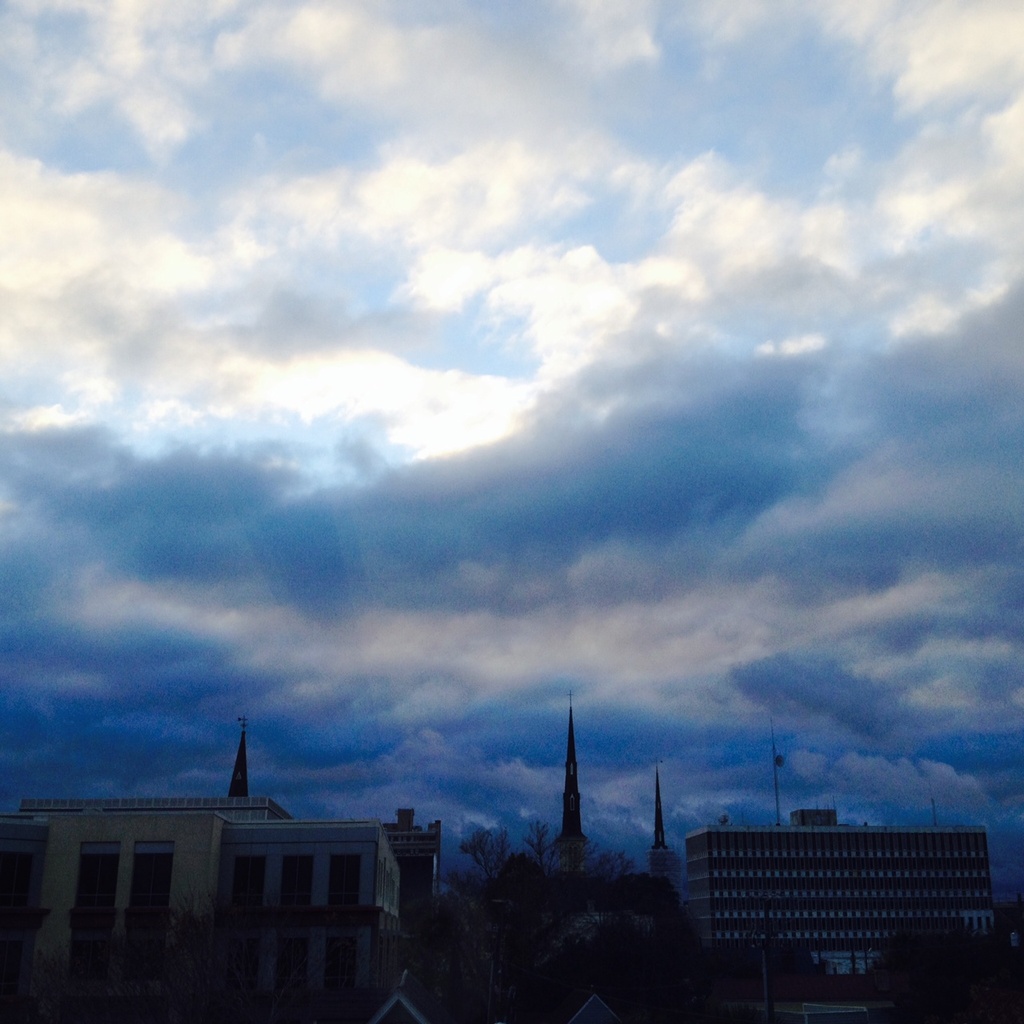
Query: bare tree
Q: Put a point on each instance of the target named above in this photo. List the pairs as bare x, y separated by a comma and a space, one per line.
159, 975
542, 847
488, 850
607, 865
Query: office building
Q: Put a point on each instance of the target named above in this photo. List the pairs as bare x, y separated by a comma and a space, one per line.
95, 894
835, 889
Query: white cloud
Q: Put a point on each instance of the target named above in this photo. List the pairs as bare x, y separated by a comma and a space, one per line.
796, 346
730, 228
572, 303
613, 33
907, 783
937, 52
445, 279
482, 196
62, 228
144, 60
442, 80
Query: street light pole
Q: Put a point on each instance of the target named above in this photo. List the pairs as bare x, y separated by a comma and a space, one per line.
766, 964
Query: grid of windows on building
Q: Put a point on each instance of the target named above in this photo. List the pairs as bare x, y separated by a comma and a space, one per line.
837, 888
294, 904
97, 874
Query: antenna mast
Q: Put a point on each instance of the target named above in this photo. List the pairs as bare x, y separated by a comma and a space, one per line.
777, 762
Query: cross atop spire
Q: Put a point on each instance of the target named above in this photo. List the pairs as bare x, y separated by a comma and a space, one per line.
240, 776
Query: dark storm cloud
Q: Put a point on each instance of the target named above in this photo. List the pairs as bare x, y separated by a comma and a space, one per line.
686, 486
814, 689
695, 473
836, 478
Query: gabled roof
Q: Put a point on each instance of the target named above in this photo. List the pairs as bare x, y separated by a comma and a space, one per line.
584, 1008
411, 1003
594, 1011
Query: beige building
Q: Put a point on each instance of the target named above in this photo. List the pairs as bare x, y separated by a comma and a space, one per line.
97, 899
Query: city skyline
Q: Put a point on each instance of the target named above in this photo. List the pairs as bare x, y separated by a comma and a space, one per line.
383, 372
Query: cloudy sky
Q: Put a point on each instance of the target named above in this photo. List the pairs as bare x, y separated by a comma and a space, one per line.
385, 371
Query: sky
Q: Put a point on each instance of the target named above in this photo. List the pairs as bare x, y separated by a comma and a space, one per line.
387, 371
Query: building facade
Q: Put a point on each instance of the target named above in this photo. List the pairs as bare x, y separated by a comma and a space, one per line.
418, 850
836, 889
96, 894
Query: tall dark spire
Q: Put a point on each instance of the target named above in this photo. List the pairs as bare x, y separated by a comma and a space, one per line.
662, 860
240, 776
659, 823
571, 824
571, 841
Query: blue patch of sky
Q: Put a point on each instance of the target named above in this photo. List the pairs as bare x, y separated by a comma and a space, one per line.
263, 122
469, 341
618, 228
976, 752
777, 108
94, 140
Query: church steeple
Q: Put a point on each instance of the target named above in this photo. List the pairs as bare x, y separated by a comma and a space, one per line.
571, 841
662, 860
659, 823
240, 776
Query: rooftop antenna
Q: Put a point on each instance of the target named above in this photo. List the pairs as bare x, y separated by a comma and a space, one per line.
935, 817
777, 762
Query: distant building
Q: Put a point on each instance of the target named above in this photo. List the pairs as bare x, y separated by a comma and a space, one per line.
418, 850
571, 842
836, 890
662, 860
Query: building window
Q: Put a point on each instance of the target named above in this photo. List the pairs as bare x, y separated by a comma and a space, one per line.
15, 872
144, 956
296, 881
97, 874
151, 875
247, 887
340, 963
244, 965
90, 957
10, 966
292, 957
343, 887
